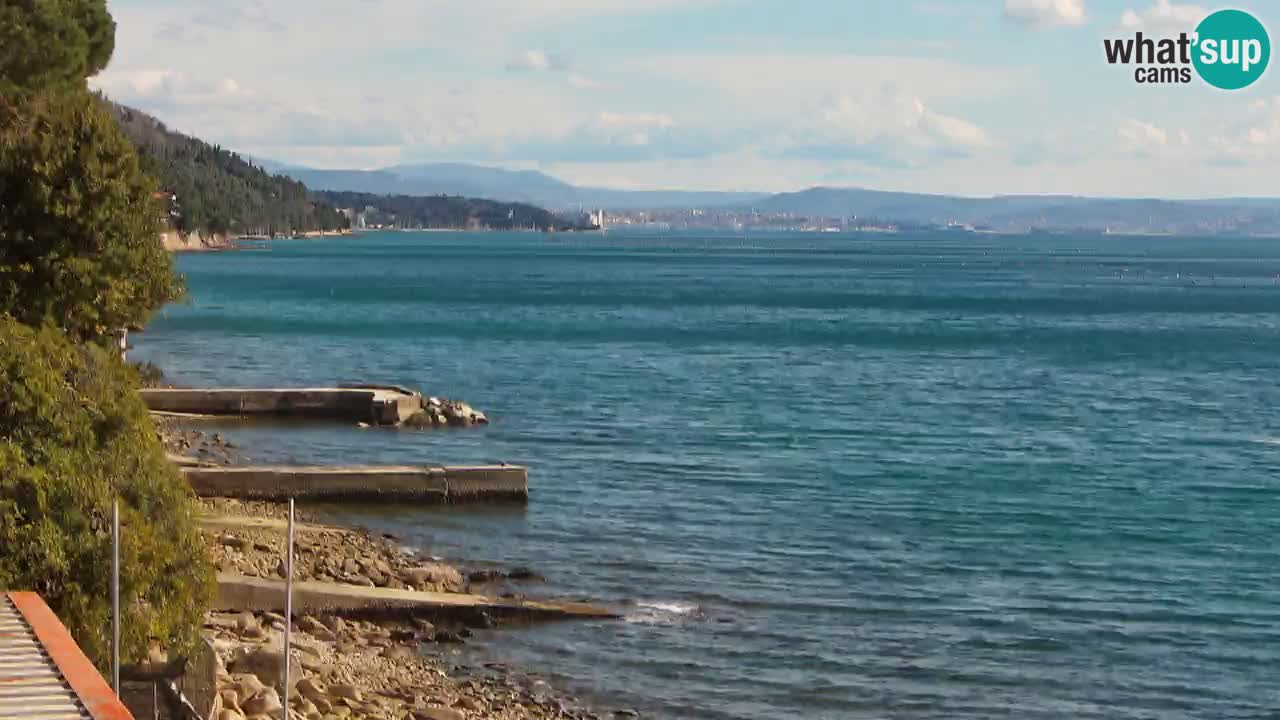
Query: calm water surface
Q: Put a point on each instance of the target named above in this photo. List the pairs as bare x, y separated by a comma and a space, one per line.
936, 476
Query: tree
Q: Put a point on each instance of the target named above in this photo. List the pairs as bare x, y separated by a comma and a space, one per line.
53, 43
80, 257
74, 435
79, 227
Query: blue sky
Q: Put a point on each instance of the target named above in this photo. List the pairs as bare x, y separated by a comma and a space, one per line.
972, 97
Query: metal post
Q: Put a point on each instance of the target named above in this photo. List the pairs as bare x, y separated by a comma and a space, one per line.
288, 609
115, 596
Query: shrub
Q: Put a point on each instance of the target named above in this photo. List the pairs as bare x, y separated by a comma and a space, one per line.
79, 228
74, 435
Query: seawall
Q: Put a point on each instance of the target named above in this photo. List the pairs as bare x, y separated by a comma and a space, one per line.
427, 485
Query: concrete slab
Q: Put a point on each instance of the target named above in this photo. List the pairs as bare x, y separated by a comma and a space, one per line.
364, 483
238, 592
245, 522
379, 406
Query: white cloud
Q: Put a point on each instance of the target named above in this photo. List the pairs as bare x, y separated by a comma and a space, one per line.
537, 60
773, 83
548, 62
1164, 18
582, 82
1046, 13
1253, 140
1143, 138
887, 128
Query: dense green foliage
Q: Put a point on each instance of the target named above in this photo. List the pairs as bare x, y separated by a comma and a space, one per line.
79, 228
73, 436
52, 43
80, 257
219, 191
443, 211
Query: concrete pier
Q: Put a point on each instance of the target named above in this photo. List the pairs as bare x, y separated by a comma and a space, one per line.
238, 592
374, 405
365, 483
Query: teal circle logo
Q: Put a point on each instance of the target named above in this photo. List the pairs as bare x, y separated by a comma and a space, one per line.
1232, 49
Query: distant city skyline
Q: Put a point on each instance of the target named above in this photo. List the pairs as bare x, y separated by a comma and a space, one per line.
972, 97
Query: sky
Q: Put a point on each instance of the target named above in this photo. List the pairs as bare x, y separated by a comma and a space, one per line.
970, 97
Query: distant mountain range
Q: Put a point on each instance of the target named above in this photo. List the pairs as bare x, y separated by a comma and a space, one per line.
1014, 213
527, 186
1029, 212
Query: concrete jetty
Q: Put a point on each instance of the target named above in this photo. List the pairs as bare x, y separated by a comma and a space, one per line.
364, 483
376, 405
238, 592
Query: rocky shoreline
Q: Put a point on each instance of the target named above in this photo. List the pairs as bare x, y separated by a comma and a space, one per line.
344, 666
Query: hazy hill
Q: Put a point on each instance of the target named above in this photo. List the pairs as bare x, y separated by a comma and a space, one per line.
441, 212
528, 186
1024, 212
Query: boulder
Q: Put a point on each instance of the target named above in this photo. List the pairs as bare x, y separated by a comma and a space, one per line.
311, 689
230, 699
346, 691
268, 664
437, 713
398, 652
447, 637
432, 574
266, 702
246, 686
228, 714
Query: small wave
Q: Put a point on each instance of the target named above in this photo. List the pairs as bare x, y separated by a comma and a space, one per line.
1268, 440
662, 612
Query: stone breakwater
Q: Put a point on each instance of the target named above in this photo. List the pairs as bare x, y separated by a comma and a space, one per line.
341, 668
441, 412
337, 555
346, 667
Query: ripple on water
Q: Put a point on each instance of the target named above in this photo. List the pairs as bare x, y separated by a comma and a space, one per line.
892, 477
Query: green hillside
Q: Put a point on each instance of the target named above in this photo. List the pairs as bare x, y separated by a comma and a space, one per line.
444, 212
219, 191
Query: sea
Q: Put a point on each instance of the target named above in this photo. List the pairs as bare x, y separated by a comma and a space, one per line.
938, 475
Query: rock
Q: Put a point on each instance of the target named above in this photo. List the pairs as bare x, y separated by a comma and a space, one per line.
268, 664
246, 686
346, 692
266, 702
447, 637
229, 714
232, 541
350, 566
337, 625
480, 620
424, 626
432, 574
313, 664
524, 574
230, 699
437, 713
467, 703
322, 704
311, 689
247, 621
484, 576
397, 652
